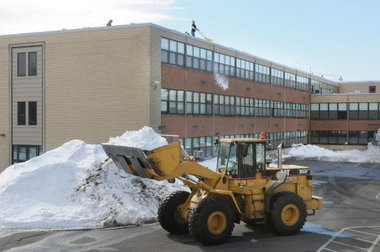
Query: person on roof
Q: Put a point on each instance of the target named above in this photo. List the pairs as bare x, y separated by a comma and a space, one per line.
193, 28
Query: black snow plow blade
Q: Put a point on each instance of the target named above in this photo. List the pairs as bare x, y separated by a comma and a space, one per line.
131, 160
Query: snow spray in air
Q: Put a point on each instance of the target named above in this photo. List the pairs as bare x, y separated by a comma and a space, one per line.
220, 80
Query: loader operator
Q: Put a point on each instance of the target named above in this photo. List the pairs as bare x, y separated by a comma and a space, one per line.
193, 28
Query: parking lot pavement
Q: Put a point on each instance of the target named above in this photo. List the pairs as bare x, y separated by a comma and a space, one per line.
364, 238
350, 221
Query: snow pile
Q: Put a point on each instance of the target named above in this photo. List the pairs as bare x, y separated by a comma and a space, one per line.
74, 187
299, 151
145, 139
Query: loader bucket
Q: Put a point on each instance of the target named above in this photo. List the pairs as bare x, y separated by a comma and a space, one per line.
131, 160
153, 164
165, 159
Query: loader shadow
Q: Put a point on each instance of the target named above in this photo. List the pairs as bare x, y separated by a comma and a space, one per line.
248, 237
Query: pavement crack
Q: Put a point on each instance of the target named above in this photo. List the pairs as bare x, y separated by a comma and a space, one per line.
30, 236
19, 240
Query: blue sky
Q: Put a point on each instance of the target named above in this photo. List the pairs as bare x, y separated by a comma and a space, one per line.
330, 37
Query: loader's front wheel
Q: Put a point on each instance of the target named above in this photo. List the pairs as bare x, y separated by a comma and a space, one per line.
168, 214
212, 221
288, 213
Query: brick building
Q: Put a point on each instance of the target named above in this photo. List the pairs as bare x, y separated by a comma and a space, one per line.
95, 83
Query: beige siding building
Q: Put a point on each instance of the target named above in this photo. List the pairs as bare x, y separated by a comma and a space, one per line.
58, 86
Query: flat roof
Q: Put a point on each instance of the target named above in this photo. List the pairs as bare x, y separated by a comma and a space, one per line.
360, 82
342, 94
85, 29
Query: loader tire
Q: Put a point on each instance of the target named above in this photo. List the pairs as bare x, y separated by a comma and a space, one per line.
288, 213
168, 215
212, 221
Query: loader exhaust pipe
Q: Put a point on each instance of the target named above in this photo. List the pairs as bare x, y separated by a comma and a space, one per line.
279, 155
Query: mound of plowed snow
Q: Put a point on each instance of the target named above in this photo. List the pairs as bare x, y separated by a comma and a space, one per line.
299, 151
73, 186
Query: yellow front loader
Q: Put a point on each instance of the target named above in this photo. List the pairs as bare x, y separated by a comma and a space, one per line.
243, 188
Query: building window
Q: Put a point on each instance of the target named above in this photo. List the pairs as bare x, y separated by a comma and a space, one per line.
342, 111
363, 110
318, 87
244, 69
22, 153
290, 80
354, 111
32, 63
164, 101
21, 113
333, 111
198, 58
262, 73
172, 101
372, 89
277, 77
329, 137
323, 111
224, 64
21, 64
32, 113
172, 52
302, 83
373, 113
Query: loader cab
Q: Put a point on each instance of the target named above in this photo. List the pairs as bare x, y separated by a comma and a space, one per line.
241, 158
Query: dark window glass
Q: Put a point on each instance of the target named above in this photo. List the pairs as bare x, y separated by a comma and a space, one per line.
323, 108
373, 111
21, 113
164, 56
333, 113
324, 137
164, 107
172, 57
342, 137
32, 113
32, 63
353, 137
372, 89
342, 110
363, 137
363, 110
172, 107
354, 111
21, 64
180, 59
333, 137
22, 153
342, 115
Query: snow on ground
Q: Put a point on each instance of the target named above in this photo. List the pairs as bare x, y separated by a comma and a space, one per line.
363, 165
210, 163
73, 186
314, 228
300, 151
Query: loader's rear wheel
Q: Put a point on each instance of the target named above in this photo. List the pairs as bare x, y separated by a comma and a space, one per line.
212, 221
168, 214
288, 213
